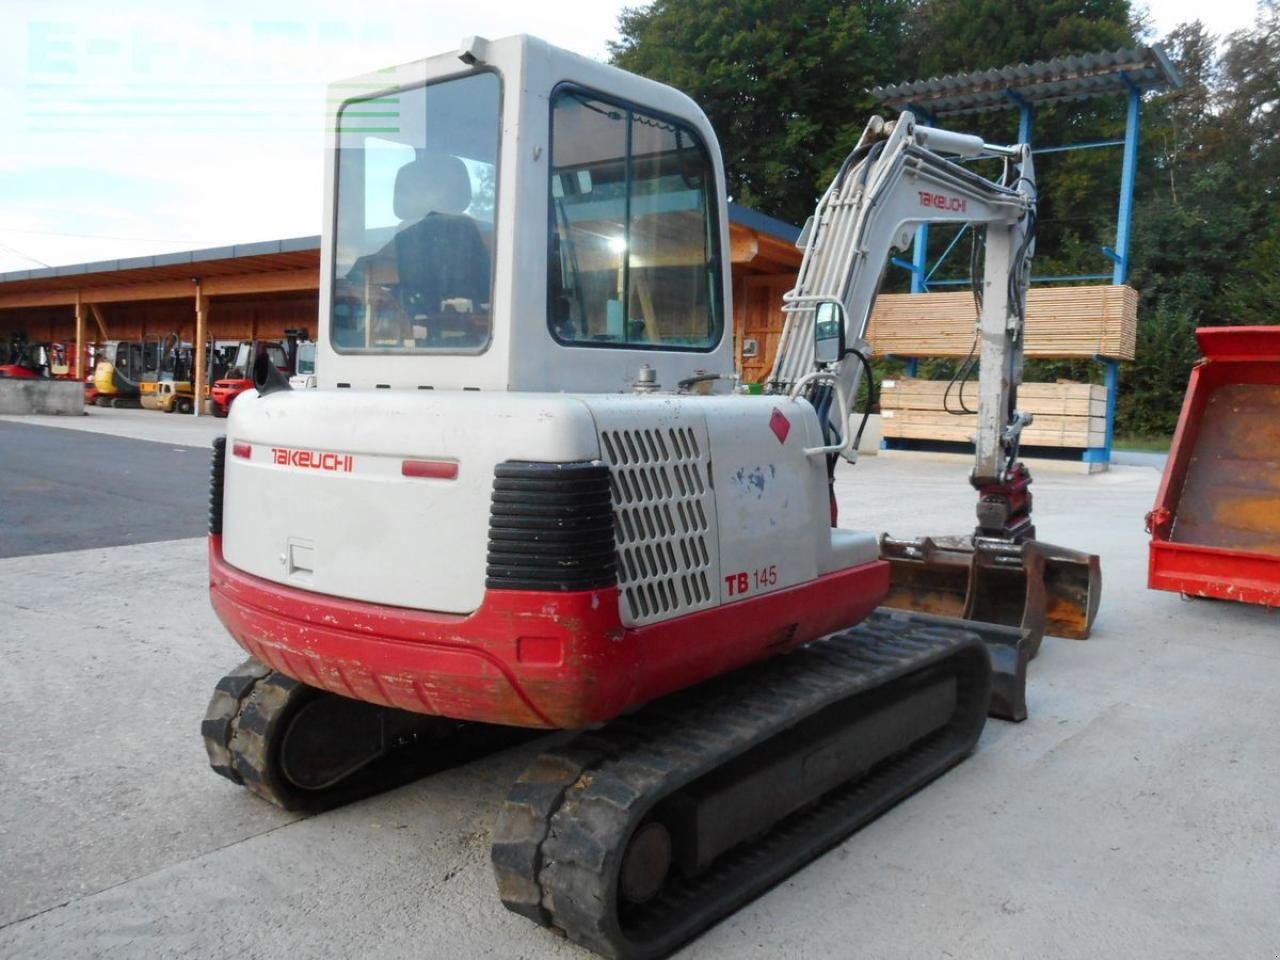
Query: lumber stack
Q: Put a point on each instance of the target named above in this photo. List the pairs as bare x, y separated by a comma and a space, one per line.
1066, 414
1062, 322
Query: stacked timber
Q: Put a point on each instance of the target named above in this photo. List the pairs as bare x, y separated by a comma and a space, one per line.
1066, 414
1062, 322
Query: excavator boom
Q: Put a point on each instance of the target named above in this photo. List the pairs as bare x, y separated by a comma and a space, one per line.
895, 179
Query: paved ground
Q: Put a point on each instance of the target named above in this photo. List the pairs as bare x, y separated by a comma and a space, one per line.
1133, 815
173, 428
65, 489
1139, 458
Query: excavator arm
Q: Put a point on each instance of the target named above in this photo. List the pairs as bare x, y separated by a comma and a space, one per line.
895, 179
900, 175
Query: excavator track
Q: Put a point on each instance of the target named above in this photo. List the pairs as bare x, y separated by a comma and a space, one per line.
309, 750
633, 838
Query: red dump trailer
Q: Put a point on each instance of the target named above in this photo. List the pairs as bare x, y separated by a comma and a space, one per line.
1215, 528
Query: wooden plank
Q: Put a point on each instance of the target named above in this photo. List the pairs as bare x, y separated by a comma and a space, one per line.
1066, 414
97, 316
1053, 399
943, 419
1034, 435
743, 247
80, 345
759, 316
907, 386
201, 360
1054, 408
1030, 437
1082, 321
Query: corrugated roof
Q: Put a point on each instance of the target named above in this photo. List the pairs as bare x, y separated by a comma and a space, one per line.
290, 254
1076, 77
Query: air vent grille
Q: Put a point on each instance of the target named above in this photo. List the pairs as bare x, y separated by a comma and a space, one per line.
663, 514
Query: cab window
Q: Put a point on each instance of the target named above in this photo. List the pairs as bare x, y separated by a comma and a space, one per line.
413, 258
633, 232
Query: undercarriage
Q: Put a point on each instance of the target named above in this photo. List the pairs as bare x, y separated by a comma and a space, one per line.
634, 836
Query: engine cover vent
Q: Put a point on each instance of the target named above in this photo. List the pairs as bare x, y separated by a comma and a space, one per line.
217, 473
664, 517
550, 527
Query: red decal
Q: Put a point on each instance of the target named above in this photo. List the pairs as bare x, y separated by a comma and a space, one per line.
780, 425
313, 459
432, 469
736, 584
941, 201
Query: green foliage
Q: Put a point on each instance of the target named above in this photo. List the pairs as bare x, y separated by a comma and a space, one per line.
958, 36
785, 84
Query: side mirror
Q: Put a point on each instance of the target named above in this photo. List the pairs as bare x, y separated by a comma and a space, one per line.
828, 332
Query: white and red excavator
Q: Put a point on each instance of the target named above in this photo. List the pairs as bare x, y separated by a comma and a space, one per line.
527, 494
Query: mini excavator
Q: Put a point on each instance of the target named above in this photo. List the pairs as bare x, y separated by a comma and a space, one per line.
527, 493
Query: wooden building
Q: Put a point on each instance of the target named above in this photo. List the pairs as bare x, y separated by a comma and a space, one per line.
262, 289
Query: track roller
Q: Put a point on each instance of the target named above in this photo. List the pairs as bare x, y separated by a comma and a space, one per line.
307, 749
633, 838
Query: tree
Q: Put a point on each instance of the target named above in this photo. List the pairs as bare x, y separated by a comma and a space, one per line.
783, 83
964, 35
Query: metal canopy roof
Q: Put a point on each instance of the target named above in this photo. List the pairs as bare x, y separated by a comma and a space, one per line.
291, 254
1076, 77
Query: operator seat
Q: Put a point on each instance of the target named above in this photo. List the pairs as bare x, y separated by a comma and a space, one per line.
439, 252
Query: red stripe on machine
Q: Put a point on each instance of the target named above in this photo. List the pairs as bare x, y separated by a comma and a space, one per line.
432, 469
242, 450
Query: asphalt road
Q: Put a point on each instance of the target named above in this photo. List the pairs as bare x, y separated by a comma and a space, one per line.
72, 490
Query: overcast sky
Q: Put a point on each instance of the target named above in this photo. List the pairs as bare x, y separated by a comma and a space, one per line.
137, 127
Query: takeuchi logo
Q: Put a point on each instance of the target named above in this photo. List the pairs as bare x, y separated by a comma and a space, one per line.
940, 201
313, 459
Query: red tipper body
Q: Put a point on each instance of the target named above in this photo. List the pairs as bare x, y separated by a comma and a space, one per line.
1215, 527
525, 658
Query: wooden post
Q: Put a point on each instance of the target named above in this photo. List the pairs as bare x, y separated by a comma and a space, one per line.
201, 361
102, 324
79, 367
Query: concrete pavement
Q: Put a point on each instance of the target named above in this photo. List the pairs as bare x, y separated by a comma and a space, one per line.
1133, 814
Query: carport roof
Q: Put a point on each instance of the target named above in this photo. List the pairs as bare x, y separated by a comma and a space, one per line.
295, 253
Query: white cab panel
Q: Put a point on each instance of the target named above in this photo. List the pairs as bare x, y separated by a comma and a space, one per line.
321, 502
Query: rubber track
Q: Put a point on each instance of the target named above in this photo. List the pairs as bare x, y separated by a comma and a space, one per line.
239, 725
565, 823
218, 727
253, 705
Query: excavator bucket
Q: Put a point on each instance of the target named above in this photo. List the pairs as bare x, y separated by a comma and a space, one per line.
1008, 590
1072, 590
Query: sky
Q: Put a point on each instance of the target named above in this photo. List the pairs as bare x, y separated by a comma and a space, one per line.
143, 126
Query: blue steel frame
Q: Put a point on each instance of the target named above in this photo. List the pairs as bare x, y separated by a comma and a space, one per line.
922, 273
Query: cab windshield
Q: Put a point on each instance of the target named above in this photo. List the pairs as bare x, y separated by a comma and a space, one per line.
413, 258
306, 359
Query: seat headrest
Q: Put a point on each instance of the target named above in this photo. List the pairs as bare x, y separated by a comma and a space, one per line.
434, 183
